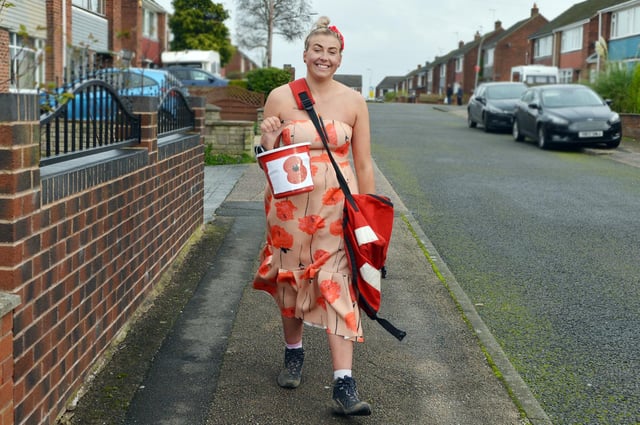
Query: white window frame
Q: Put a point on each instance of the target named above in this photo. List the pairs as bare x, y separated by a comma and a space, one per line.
543, 47
566, 75
625, 23
571, 39
26, 63
95, 6
459, 63
150, 24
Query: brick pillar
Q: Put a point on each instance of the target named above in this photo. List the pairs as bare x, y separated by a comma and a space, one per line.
147, 109
19, 207
198, 104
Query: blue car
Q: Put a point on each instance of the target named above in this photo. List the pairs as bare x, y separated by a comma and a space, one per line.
95, 97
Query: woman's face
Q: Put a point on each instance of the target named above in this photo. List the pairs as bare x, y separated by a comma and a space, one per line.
323, 54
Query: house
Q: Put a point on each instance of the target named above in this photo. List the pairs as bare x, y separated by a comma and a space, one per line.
569, 40
620, 25
80, 35
510, 48
388, 84
352, 81
238, 65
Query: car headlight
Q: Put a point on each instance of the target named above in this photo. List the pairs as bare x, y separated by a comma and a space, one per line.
558, 120
615, 118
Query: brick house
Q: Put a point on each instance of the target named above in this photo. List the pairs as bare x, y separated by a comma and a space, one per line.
509, 48
569, 40
67, 37
238, 65
622, 33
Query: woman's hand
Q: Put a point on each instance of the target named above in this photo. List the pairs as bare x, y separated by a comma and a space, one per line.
271, 129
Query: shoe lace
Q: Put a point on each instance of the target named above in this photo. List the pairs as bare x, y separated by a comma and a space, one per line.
294, 360
347, 387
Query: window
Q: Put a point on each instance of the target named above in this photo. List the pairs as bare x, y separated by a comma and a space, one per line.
571, 40
566, 76
149, 24
443, 71
95, 6
459, 63
27, 67
625, 22
488, 57
542, 47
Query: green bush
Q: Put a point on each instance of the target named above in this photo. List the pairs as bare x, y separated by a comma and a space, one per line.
621, 85
264, 80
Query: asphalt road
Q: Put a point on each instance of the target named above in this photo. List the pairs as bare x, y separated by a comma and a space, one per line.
544, 243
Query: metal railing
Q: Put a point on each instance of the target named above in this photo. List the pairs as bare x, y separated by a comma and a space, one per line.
95, 114
90, 118
175, 114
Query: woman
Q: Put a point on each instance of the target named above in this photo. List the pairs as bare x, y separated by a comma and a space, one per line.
303, 264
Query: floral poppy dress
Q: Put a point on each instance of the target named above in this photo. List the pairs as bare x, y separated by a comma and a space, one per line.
303, 264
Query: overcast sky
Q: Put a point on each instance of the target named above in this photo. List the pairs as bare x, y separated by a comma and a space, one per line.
391, 37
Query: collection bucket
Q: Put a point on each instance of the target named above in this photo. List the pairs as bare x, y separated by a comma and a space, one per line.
288, 169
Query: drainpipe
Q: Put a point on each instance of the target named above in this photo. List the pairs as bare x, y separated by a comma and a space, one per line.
478, 61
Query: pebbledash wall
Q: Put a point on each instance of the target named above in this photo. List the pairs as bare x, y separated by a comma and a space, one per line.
82, 245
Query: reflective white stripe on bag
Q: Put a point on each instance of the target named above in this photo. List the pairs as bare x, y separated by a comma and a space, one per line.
365, 235
371, 275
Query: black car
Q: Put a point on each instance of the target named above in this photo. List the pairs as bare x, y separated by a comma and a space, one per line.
566, 114
492, 105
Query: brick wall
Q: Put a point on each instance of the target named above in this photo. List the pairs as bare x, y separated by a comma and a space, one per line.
5, 72
82, 246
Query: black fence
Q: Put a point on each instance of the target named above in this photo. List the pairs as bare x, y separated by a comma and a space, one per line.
95, 114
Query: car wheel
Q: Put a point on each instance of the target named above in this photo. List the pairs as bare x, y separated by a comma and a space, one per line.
485, 123
470, 122
543, 143
613, 145
517, 136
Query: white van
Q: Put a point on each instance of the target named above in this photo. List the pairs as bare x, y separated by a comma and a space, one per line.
535, 74
209, 60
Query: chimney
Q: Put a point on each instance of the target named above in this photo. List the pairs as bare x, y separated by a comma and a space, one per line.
477, 36
460, 44
419, 65
534, 10
498, 26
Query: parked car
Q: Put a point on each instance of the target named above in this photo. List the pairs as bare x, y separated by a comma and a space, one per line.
492, 105
190, 76
567, 114
95, 103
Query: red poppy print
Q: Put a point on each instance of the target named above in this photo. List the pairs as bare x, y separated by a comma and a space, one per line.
331, 132
285, 210
280, 238
351, 322
296, 171
311, 223
286, 136
286, 276
288, 312
335, 228
322, 303
332, 196
342, 150
330, 290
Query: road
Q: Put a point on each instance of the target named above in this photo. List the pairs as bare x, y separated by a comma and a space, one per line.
546, 244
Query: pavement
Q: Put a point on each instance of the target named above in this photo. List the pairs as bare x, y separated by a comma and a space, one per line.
219, 362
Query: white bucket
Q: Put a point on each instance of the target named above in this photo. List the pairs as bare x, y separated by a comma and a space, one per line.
288, 169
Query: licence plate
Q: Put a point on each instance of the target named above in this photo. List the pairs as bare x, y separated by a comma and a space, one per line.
585, 134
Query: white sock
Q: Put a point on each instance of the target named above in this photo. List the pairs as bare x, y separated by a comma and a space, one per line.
341, 373
294, 346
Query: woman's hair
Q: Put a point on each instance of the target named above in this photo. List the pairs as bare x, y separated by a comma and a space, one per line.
321, 27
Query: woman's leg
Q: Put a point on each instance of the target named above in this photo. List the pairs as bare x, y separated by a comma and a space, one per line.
291, 374
341, 352
345, 394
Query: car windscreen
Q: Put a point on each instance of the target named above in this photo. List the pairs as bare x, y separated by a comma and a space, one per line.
570, 98
505, 92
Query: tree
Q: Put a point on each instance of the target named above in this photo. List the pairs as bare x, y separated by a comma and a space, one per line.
261, 19
199, 24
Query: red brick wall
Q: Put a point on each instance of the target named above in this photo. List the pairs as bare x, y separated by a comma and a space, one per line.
83, 258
